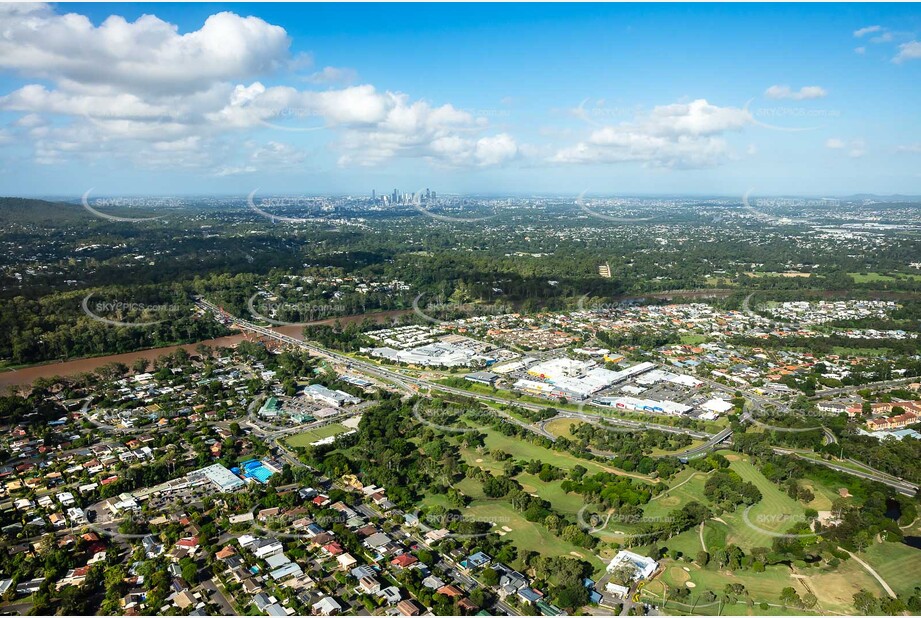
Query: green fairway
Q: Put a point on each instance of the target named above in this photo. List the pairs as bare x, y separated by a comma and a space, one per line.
520, 449
764, 586
568, 504
776, 512
897, 563
824, 495
310, 436
687, 486
522, 533
715, 533
470, 487
833, 588
688, 542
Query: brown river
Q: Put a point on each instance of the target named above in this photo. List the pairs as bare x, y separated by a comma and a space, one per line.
21, 378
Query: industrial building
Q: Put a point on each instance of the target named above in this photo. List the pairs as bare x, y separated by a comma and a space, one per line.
541, 389
644, 405
220, 477
431, 355
658, 375
319, 393
482, 377
575, 379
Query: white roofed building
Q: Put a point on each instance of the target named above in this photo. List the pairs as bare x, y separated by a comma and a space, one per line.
643, 566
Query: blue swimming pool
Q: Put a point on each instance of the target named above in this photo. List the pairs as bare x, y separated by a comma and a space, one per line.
254, 469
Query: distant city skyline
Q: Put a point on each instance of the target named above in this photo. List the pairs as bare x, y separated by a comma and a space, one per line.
620, 99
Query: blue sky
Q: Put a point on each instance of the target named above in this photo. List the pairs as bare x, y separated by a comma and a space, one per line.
609, 98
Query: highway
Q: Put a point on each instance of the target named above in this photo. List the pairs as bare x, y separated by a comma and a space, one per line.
714, 440
903, 487
859, 387
413, 385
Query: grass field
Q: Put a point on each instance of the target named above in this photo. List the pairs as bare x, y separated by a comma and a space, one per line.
310, 436
764, 586
881, 278
687, 486
774, 513
897, 563
519, 449
656, 452
524, 534
512, 396
515, 397
864, 352
786, 275
568, 504
660, 419
824, 495
834, 588
562, 427
693, 339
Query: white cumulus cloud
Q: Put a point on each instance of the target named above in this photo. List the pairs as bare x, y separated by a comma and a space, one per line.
855, 148
333, 75
140, 89
146, 55
804, 93
908, 51
867, 30
681, 135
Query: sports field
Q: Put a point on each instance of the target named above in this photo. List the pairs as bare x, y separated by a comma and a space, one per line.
310, 436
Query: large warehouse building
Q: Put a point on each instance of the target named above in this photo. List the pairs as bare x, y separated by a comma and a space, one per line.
644, 405
576, 379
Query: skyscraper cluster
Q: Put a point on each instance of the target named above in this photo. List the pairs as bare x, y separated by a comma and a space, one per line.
398, 198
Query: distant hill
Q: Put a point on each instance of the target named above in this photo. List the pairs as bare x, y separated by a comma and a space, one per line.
31, 211
886, 198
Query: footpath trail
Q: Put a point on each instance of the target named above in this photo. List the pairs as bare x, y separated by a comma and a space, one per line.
701, 532
871, 571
